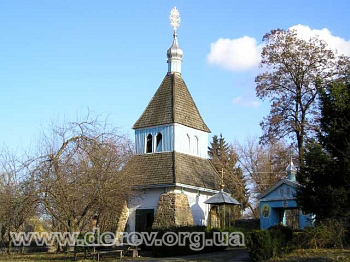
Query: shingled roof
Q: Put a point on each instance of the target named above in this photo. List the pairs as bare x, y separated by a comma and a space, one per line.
172, 103
171, 168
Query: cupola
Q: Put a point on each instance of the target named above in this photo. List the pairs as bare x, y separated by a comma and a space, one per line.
291, 170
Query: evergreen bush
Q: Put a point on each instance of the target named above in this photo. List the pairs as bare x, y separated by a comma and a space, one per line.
260, 245
283, 239
265, 244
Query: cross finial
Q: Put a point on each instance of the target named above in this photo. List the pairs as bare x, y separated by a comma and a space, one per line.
174, 53
175, 18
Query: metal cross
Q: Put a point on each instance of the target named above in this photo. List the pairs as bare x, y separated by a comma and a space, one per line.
175, 18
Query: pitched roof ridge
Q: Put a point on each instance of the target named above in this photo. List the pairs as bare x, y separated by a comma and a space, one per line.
173, 96
150, 101
195, 106
172, 103
276, 185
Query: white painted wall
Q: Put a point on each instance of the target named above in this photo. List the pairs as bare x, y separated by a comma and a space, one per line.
146, 199
183, 145
200, 210
149, 198
175, 137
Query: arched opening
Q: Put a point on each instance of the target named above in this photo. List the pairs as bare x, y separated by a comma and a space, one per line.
149, 144
189, 142
159, 142
196, 145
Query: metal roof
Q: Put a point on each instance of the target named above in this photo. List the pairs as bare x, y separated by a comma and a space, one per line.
272, 188
222, 198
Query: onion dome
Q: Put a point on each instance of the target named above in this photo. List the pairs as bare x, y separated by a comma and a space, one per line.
291, 170
175, 55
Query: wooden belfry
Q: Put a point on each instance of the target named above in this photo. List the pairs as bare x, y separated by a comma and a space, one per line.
221, 207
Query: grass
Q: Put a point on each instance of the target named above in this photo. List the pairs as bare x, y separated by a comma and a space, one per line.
315, 255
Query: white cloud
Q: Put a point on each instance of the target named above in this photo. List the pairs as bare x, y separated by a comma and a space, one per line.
235, 54
335, 43
237, 99
252, 103
243, 53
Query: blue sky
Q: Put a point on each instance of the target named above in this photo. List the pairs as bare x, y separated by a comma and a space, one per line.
61, 58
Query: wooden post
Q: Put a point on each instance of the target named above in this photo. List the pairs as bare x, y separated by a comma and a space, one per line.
209, 220
224, 215
234, 218
229, 216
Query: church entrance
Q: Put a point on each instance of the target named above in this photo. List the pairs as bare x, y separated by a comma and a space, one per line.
144, 219
292, 218
289, 217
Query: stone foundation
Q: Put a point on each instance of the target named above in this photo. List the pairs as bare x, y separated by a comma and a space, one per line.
214, 217
173, 210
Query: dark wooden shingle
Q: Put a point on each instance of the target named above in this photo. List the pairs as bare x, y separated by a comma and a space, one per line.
172, 103
171, 168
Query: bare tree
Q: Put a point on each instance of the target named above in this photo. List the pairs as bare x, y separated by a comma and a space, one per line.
18, 200
296, 70
263, 165
78, 172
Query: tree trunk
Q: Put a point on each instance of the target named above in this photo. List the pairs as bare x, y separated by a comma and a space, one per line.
69, 247
300, 139
253, 210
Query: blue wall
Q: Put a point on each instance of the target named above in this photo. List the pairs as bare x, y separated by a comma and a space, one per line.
167, 138
278, 200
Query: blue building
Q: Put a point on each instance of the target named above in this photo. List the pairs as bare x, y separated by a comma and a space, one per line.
278, 205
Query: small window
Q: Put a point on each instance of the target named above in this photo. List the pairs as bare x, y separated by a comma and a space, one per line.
189, 142
149, 144
159, 142
196, 146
